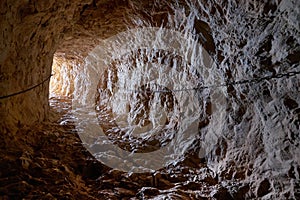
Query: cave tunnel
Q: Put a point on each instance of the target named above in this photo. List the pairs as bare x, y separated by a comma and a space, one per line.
212, 88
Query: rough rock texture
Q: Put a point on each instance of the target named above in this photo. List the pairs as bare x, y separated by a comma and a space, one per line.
31, 31
256, 157
60, 86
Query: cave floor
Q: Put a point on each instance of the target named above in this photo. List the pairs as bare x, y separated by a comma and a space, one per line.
48, 161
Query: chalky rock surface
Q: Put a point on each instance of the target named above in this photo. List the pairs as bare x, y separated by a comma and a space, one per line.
256, 154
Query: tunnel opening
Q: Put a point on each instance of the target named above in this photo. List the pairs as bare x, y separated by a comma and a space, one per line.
61, 88
62, 80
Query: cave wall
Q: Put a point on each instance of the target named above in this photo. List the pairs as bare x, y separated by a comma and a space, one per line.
30, 35
31, 32
262, 41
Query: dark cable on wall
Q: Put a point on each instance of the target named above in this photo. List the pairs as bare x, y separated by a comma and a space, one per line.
229, 83
28, 89
240, 82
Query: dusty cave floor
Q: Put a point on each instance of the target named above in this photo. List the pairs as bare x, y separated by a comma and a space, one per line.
48, 161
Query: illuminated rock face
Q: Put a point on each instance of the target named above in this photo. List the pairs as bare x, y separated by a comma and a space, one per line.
31, 33
258, 152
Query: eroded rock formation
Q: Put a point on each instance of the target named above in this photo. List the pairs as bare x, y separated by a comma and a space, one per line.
257, 155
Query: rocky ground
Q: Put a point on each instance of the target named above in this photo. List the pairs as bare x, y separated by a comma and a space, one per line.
49, 162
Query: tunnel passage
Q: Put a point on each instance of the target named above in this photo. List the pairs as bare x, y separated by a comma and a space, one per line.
66, 67
257, 154
69, 31
143, 98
